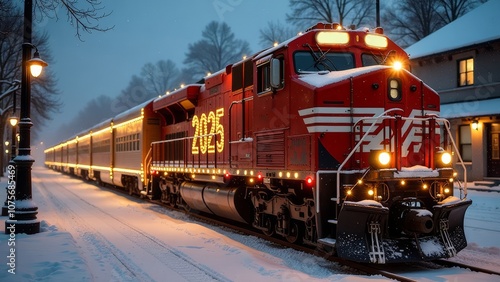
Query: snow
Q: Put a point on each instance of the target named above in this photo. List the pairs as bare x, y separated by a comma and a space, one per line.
470, 108
95, 234
478, 26
416, 171
326, 78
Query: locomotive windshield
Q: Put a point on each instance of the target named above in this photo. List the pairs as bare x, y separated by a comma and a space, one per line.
306, 61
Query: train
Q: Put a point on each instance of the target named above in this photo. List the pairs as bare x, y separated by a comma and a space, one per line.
326, 139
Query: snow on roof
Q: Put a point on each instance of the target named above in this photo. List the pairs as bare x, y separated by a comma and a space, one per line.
324, 78
478, 26
470, 108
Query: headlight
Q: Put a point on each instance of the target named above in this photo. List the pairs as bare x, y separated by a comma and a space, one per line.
442, 159
384, 158
379, 159
446, 158
397, 65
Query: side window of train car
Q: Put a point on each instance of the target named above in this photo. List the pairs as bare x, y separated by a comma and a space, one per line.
270, 75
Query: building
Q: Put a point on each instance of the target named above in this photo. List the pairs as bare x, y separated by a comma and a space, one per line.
461, 61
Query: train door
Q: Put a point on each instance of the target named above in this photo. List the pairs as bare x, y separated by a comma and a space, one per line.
493, 149
241, 129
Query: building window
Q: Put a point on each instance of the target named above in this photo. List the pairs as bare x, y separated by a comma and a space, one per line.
465, 143
466, 72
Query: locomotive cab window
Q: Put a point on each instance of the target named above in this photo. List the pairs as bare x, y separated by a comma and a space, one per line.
307, 62
371, 60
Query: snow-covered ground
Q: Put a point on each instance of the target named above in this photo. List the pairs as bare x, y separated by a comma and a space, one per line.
92, 234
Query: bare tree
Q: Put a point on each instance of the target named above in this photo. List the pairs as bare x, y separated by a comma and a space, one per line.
44, 99
275, 32
84, 15
43, 90
346, 12
409, 21
450, 10
216, 50
160, 77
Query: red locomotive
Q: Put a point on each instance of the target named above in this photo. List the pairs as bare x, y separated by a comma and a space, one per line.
325, 139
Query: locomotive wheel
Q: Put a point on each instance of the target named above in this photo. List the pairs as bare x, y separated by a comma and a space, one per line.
294, 235
269, 225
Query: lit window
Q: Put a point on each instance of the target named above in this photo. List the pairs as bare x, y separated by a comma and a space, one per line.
466, 72
465, 143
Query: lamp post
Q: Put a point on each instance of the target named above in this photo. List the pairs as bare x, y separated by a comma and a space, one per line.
23, 218
12, 164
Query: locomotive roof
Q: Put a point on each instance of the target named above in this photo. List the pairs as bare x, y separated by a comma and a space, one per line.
132, 112
189, 92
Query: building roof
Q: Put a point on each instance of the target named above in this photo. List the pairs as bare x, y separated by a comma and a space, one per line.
478, 26
472, 108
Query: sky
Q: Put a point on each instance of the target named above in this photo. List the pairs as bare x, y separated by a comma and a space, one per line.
143, 32
146, 242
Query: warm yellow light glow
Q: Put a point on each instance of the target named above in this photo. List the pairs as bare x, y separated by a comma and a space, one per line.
425, 186
370, 192
36, 70
397, 65
384, 158
446, 158
403, 182
360, 181
475, 125
13, 121
378, 41
447, 190
332, 38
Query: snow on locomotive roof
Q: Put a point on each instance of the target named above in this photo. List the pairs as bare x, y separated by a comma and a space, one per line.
321, 79
132, 112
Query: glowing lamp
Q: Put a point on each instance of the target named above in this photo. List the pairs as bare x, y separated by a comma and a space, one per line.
475, 124
309, 180
442, 159
36, 64
397, 65
332, 38
13, 121
377, 41
379, 159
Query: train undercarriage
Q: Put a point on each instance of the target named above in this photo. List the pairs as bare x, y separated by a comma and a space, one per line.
412, 226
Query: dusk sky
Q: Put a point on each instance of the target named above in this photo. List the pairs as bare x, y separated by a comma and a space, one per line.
144, 32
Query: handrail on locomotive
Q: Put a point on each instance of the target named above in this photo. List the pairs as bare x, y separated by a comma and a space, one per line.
377, 119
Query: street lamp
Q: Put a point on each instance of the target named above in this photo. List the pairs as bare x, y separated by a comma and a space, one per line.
13, 123
23, 218
36, 64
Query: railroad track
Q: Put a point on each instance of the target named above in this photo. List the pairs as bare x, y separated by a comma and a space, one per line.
355, 267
